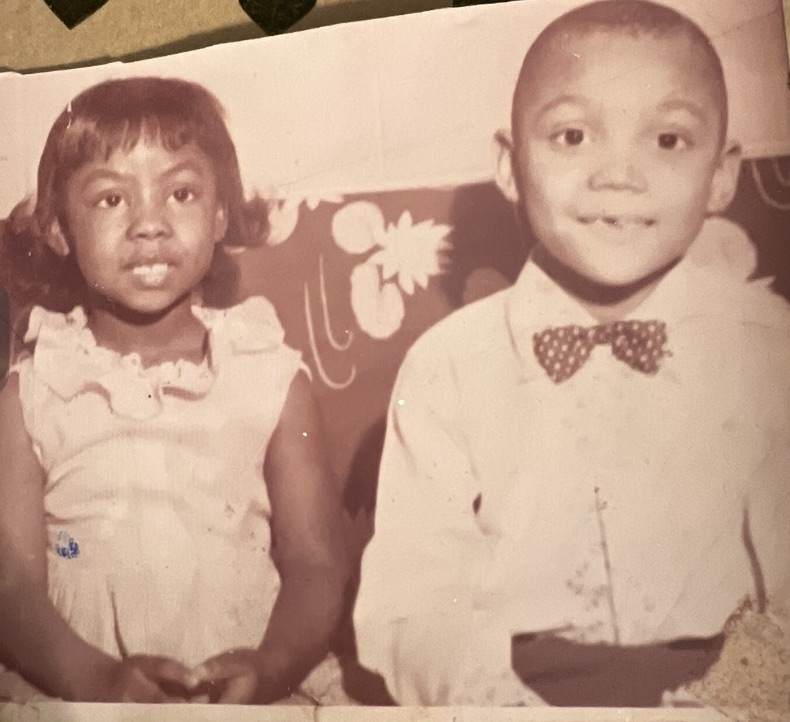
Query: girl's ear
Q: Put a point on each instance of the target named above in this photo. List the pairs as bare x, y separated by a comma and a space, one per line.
220, 224
505, 178
56, 240
725, 178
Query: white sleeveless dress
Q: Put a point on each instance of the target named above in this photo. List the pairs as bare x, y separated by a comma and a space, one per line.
156, 505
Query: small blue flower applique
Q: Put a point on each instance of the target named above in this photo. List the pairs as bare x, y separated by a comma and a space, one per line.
66, 547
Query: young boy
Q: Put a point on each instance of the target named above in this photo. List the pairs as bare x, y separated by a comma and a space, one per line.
594, 461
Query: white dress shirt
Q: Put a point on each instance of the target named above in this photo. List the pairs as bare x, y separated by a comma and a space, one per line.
609, 507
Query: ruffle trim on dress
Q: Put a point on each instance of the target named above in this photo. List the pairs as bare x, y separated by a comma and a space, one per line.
68, 360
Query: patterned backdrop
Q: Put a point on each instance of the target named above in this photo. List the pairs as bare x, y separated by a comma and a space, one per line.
357, 279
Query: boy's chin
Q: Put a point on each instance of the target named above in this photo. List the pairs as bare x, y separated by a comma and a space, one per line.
617, 283
599, 285
620, 276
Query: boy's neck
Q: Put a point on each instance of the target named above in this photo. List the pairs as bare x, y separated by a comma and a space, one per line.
602, 302
170, 335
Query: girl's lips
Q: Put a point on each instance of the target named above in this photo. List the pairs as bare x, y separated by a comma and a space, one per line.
152, 275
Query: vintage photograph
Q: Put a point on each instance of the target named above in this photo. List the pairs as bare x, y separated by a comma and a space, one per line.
441, 360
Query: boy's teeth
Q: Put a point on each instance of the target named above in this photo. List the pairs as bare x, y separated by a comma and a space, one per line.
615, 222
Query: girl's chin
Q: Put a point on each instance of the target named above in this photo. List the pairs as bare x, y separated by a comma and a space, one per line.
139, 310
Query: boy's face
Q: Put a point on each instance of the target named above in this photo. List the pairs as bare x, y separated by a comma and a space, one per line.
616, 154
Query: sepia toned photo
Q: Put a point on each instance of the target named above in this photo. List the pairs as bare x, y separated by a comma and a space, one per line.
436, 361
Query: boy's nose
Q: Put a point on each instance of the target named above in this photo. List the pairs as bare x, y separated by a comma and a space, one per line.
617, 172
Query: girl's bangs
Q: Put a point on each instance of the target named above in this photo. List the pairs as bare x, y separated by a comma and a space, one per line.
88, 139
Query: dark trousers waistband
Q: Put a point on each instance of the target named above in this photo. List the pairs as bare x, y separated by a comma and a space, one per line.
569, 674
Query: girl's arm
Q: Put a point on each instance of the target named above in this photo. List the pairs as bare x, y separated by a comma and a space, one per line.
311, 556
34, 638
309, 546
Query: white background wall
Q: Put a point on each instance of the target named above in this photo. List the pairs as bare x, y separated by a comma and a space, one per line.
399, 102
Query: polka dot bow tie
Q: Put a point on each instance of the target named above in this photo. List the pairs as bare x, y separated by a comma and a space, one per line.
563, 351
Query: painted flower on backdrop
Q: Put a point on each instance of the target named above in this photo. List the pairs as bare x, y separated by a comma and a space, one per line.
284, 214
402, 256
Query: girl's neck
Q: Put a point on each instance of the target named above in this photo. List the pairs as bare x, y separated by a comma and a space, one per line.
602, 302
169, 335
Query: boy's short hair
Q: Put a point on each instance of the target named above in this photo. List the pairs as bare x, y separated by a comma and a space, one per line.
628, 17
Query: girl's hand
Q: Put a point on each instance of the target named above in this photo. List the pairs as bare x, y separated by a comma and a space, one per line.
230, 677
141, 678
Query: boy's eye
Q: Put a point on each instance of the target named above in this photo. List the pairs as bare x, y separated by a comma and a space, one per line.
570, 137
183, 195
671, 141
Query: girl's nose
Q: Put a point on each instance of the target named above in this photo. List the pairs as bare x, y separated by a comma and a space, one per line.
150, 222
618, 171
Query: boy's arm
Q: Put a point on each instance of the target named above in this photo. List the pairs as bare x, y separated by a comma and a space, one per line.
419, 617
766, 528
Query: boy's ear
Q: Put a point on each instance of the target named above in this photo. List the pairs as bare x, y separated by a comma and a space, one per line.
725, 178
220, 224
56, 239
505, 177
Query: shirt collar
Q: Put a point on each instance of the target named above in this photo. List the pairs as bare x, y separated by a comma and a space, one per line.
537, 302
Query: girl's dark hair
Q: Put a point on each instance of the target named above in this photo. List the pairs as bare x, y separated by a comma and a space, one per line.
116, 115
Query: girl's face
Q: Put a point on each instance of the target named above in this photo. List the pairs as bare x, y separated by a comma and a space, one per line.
143, 224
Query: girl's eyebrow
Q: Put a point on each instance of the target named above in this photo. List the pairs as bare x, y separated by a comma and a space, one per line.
100, 174
184, 165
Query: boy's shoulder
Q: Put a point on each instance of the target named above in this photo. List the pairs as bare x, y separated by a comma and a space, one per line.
478, 326
752, 305
749, 321
718, 293
457, 357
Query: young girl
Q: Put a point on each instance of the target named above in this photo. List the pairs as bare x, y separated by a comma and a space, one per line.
168, 527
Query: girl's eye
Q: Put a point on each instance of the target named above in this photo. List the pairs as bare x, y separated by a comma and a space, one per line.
183, 195
570, 137
110, 200
671, 141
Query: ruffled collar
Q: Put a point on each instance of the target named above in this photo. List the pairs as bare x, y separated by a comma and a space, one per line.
68, 360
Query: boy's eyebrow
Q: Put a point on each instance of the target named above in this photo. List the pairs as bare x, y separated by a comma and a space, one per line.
562, 100
687, 105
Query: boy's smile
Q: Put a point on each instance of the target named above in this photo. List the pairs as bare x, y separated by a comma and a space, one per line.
616, 156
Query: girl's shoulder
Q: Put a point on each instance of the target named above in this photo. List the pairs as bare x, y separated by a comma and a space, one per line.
42, 321
251, 326
63, 356
248, 327
42, 329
